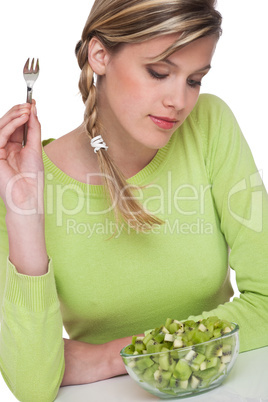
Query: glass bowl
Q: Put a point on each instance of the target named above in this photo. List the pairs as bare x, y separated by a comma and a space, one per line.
184, 371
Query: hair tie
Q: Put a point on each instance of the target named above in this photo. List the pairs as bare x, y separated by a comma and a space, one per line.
97, 143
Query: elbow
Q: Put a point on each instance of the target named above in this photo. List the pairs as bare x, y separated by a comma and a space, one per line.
36, 388
38, 394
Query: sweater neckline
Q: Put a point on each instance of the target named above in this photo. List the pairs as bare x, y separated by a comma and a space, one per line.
141, 178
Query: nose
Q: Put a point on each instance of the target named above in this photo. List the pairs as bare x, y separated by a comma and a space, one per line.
176, 97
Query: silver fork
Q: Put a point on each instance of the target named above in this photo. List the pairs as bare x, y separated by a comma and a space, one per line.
30, 75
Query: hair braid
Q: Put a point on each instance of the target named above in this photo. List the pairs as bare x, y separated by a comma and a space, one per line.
87, 89
125, 204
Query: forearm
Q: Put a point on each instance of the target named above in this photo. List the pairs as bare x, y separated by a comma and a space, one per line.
31, 345
250, 311
86, 363
27, 248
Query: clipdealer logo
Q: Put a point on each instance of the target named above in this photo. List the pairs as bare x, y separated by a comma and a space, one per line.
255, 221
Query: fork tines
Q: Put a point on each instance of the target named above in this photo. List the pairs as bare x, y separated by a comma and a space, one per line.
31, 70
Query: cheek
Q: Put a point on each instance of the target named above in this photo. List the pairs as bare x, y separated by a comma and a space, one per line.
192, 100
128, 94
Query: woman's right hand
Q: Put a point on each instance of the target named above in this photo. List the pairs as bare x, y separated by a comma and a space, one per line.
21, 188
20, 168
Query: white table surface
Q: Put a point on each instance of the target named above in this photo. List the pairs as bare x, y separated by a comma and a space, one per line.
247, 382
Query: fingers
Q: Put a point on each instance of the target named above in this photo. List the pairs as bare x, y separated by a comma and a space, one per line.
12, 121
34, 128
15, 112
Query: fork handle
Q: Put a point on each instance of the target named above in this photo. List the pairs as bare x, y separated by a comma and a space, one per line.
25, 132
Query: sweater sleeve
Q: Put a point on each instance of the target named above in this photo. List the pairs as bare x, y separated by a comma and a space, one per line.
241, 203
31, 344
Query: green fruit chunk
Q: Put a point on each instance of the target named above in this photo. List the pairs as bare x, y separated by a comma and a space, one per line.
182, 370
148, 374
130, 349
213, 362
207, 374
153, 347
164, 362
159, 337
139, 345
144, 363
147, 338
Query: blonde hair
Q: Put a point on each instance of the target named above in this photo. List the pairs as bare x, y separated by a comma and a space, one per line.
115, 22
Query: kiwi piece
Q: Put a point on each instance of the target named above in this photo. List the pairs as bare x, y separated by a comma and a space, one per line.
194, 357
177, 384
191, 355
176, 327
169, 338
159, 337
200, 349
172, 365
201, 336
222, 368
189, 325
217, 333
214, 349
195, 382
147, 338
182, 370
148, 374
203, 366
130, 349
213, 362
137, 341
183, 384
168, 322
144, 363
164, 362
178, 342
174, 382
134, 337
207, 374
226, 348
226, 357
163, 378
210, 323
153, 347
160, 380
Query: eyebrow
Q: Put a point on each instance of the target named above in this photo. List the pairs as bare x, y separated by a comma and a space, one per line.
208, 67
167, 61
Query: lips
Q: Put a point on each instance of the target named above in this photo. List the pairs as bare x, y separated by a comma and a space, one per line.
164, 122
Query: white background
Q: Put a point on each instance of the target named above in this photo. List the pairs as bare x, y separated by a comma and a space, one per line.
50, 29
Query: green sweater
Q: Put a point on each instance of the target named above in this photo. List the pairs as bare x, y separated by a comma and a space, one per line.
205, 186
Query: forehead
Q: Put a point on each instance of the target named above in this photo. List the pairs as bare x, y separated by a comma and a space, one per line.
152, 48
198, 52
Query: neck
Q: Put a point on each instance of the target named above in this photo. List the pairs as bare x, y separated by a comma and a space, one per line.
129, 155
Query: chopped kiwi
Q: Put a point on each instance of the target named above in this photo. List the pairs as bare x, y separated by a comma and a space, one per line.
176, 370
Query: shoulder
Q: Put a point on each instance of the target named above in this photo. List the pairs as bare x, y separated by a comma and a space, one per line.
210, 107
214, 124
212, 116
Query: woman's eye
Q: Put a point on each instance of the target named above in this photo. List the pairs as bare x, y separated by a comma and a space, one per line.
194, 84
156, 75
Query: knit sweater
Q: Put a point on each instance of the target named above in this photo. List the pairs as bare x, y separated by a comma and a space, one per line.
104, 284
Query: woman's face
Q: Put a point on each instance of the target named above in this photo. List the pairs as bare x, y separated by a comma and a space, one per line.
142, 104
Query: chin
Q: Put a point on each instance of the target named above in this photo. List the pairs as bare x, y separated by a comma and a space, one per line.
161, 142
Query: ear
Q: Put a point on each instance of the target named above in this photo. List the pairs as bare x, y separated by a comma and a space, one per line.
98, 56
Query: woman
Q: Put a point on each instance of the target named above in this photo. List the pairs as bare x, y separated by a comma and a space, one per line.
134, 225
